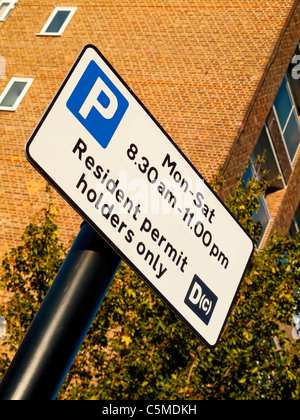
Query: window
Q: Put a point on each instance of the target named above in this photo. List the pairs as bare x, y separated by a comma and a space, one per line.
14, 93
288, 118
6, 7
264, 148
58, 21
262, 215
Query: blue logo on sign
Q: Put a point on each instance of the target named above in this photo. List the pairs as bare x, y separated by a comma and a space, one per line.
97, 104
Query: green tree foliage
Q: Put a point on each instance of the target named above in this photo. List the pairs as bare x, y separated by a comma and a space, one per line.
136, 347
28, 271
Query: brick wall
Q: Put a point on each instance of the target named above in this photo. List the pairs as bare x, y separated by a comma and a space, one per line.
207, 70
263, 99
195, 64
282, 204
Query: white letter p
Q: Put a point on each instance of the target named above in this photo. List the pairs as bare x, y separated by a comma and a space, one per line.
92, 101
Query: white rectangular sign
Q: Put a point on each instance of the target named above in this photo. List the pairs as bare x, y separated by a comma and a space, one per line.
110, 159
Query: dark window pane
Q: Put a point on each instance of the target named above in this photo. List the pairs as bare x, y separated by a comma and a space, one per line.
271, 166
13, 94
292, 136
58, 21
283, 104
249, 173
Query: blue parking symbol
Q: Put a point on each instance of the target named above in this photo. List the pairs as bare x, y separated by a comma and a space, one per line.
97, 104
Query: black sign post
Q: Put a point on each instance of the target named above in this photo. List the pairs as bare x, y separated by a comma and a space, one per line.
60, 325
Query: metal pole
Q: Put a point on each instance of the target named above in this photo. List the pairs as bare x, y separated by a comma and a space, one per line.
60, 325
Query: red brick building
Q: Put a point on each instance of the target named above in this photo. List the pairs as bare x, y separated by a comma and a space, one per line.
217, 75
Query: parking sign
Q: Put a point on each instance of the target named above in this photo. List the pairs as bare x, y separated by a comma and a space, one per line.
97, 104
112, 161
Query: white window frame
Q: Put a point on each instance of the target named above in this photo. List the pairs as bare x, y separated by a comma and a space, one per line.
263, 204
72, 10
275, 156
282, 131
9, 9
23, 93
